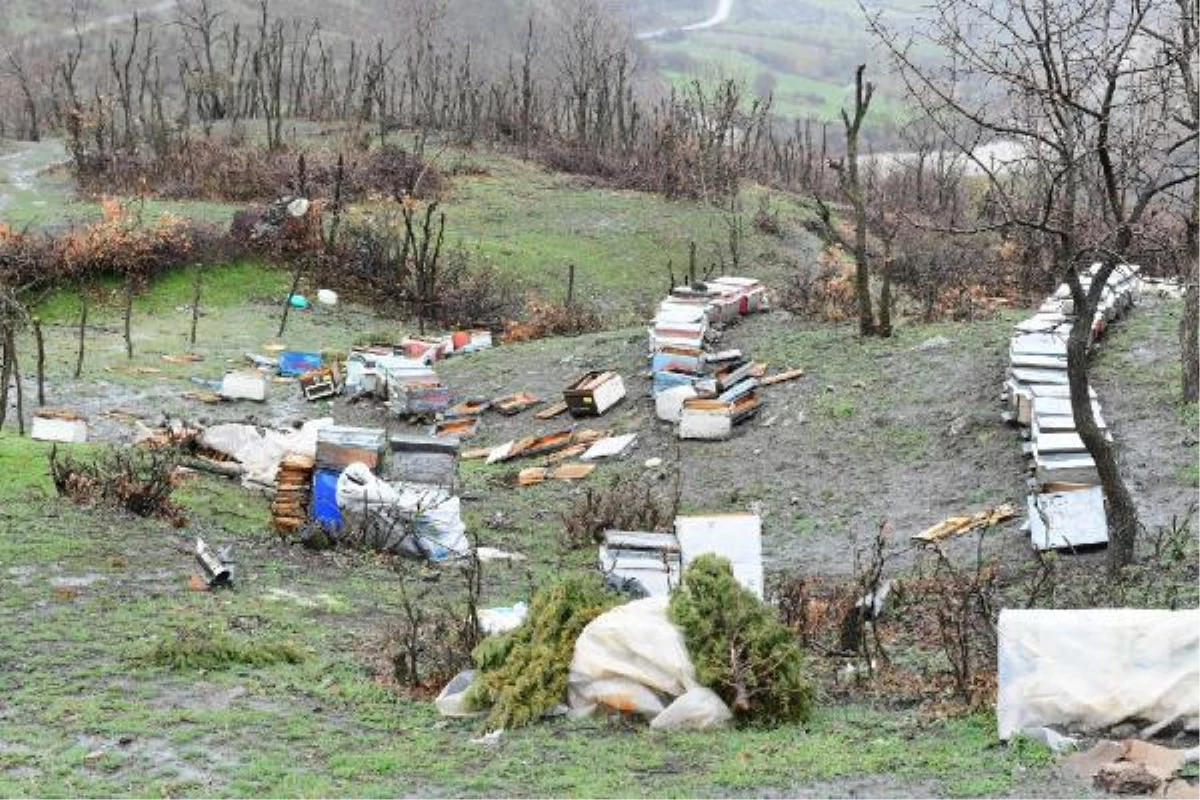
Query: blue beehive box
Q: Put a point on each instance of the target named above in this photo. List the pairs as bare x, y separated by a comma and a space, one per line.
324, 503
295, 362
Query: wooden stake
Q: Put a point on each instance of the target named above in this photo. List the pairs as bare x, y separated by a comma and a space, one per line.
128, 315
83, 309
195, 307
570, 284
41, 362
16, 369
287, 304
5, 374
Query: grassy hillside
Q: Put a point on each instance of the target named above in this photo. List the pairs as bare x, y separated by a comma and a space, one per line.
803, 52
93, 593
529, 222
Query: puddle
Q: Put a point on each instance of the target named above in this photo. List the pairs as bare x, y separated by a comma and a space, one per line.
324, 601
76, 581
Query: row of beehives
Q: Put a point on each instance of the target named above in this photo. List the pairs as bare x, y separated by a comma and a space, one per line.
1066, 504
705, 392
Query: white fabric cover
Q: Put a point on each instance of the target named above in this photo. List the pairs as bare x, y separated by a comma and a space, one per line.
1094, 668
627, 656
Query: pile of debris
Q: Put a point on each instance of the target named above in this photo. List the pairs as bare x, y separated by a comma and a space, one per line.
393, 493
705, 392
1066, 504
590, 395
400, 374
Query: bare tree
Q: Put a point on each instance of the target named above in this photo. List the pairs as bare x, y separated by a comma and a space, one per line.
17, 67
853, 190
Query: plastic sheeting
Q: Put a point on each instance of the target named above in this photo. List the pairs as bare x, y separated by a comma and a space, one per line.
1093, 668
697, 709
259, 450
626, 655
401, 518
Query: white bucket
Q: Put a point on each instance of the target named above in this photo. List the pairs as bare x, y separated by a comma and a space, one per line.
327, 297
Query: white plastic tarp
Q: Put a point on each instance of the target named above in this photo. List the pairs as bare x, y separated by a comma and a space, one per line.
259, 451
628, 658
404, 518
1094, 668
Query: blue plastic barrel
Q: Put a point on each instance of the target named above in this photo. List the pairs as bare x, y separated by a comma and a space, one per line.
324, 504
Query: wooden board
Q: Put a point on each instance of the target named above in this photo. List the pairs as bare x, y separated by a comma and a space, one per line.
552, 410
780, 377
1050, 443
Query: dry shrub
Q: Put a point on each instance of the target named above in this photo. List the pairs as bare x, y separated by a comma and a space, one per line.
958, 277
475, 294
137, 480
544, 318
24, 257
220, 169
433, 636
366, 265
122, 242
814, 609
822, 291
625, 503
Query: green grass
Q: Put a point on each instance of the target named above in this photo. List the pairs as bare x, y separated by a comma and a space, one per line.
532, 224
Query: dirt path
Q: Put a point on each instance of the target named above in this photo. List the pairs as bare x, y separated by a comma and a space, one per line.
722, 12
20, 165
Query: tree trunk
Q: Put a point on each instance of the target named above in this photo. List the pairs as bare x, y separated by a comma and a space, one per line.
854, 192
16, 372
195, 307
1120, 509
885, 300
5, 375
287, 303
1189, 335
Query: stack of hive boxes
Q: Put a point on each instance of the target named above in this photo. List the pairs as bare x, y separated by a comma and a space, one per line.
707, 393
293, 492
1066, 505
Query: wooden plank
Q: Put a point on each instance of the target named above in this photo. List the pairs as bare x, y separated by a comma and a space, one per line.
1032, 361
958, 525
641, 540
780, 377
552, 411
1051, 443
571, 472
1041, 344
1055, 390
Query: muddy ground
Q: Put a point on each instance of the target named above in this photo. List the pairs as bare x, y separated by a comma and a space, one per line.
902, 433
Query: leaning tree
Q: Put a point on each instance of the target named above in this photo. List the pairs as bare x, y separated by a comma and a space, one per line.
1092, 106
